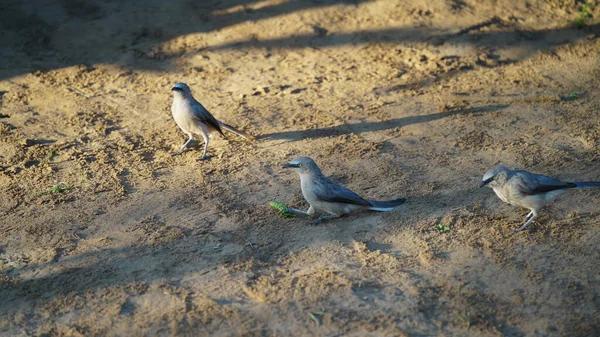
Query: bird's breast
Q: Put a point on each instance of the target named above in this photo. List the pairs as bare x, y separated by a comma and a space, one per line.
179, 107
502, 194
183, 116
307, 186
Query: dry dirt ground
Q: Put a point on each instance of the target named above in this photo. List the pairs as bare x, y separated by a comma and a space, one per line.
391, 98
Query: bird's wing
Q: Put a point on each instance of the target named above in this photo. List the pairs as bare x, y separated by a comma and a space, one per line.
328, 191
532, 183
200, 113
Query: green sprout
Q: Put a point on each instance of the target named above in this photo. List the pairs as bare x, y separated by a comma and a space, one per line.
58, 188
584, 14
316, 316
282, 208
441, 227
571, 96
52, 154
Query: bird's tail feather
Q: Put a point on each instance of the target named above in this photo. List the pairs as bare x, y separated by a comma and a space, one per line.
386, 206
236, 131
588, 184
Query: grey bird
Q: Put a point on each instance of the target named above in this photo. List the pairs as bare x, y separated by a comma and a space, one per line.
194, 119
528, 190
325, 195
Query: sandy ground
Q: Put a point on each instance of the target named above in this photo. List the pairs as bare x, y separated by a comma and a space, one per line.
391, 98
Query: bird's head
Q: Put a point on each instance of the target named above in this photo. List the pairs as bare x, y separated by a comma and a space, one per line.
492, 177
303, 165
181, 89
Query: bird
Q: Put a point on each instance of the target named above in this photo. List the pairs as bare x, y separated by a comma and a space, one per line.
528, 190
193, 118
325, 195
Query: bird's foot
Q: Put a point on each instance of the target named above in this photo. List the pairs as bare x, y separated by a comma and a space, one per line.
525, 226
520, 229
205, 157
321, 218
180, 151
315, 221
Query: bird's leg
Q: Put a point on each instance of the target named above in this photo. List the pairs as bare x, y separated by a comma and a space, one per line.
321, 218
309, 212
184, 145
297, 211
524, 227
205, 136
528, 215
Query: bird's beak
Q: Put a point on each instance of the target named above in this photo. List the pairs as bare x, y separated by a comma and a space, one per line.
176, 89
288, 165
485, 182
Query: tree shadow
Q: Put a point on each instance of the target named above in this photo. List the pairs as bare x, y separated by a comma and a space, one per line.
358, 128
46, 35
49, 35
510, 35
144, 263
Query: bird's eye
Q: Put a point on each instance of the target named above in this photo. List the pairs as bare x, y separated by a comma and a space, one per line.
299, 165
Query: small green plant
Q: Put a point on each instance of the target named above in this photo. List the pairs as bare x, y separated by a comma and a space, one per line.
282, 208
316, 316
441, 227
570, 97
52, 154
584, 14
58, 188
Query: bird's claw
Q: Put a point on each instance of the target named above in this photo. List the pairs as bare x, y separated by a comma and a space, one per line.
180, 151
314, 222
